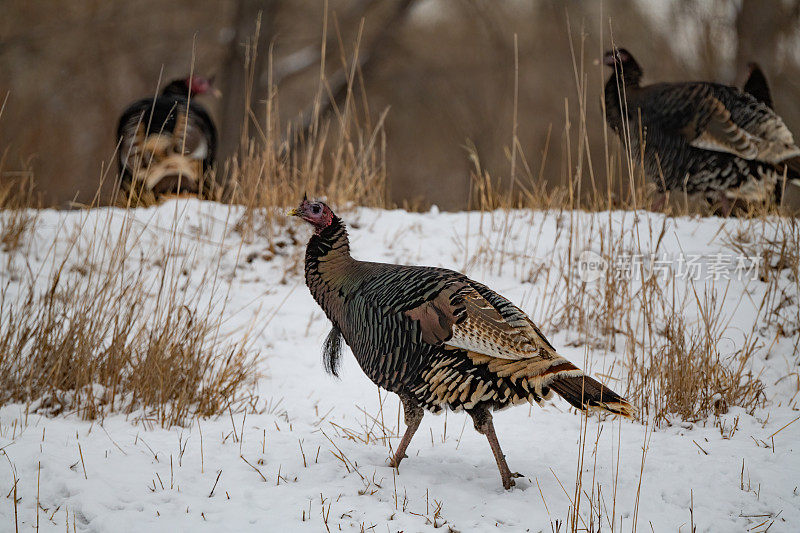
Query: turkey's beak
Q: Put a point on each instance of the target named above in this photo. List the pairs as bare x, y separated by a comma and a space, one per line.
216, 93
294, 212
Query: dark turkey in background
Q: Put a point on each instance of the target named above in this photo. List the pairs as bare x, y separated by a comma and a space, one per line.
167, 144
702, 137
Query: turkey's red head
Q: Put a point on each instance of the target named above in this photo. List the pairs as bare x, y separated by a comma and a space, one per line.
199, 84
317, 214
194, 85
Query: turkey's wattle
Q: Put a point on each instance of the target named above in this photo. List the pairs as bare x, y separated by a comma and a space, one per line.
437, 338
167, 144
701, 137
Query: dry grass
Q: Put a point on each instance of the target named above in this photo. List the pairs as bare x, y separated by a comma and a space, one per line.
98, 334
677, 366
17, 218
776, 242
684, 373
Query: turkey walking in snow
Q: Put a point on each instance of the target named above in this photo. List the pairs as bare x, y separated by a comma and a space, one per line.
700, 137
437, 338
167, 144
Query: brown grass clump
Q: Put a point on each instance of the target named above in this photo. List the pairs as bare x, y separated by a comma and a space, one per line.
92, 338
684, 374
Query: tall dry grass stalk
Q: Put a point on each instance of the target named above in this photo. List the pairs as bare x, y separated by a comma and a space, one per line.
334, 150
16, 216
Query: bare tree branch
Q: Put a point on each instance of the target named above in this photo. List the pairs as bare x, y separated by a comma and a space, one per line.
338, 84
298, 62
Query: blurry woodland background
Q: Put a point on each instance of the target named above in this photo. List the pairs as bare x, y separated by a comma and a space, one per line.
444, 69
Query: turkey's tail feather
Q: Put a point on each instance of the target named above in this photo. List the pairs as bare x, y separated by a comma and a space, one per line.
332, 351
585, 392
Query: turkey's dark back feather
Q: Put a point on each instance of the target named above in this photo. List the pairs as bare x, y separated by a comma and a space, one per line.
673, 164
673, 107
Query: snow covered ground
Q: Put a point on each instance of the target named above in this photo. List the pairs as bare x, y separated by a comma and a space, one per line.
313, 457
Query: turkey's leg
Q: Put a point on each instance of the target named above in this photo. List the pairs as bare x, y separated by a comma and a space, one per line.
721, 205
777, 194
412, 414
482, 419
659, 202
725, 205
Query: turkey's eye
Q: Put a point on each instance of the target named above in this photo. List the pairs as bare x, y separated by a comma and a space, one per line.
316, 209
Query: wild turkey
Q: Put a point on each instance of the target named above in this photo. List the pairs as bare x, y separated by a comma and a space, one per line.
757, 86
699, 137
168, 143
436, 338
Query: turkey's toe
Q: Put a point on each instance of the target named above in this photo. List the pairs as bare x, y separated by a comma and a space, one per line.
508, 483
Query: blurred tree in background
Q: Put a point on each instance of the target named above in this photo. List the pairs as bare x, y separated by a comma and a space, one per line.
445, 69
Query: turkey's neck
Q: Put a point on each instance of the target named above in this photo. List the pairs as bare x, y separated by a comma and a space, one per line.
177, 88
327, 264
612, 97
619, 88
